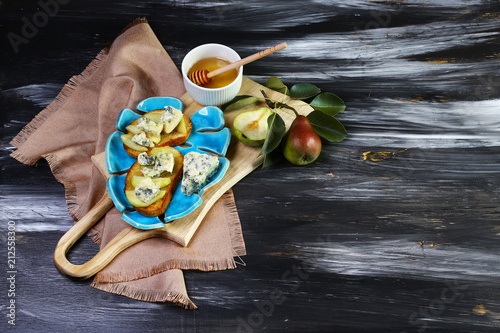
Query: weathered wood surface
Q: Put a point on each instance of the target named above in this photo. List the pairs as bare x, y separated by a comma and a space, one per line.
347, 241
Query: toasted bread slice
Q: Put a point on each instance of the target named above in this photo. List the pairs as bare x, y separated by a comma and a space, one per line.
178, 136
159, 206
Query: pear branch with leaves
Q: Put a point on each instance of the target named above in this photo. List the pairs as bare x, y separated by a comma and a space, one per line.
321, 120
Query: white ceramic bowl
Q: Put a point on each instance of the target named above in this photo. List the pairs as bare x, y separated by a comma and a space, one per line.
211, 96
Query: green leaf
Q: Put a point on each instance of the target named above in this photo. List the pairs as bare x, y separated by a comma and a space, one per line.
275, 133
275, 84
239, 102
328, 103
327, 126
272, 158
303, 91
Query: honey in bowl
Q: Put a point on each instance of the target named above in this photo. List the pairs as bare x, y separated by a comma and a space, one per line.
211, 64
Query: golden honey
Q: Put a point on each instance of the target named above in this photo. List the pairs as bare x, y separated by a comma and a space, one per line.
211, 64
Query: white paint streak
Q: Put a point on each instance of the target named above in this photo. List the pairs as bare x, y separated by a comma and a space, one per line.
39, 94
45, 212
386, 44
400, 258
461, 124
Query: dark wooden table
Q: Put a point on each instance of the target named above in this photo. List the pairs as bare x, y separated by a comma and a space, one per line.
394, 229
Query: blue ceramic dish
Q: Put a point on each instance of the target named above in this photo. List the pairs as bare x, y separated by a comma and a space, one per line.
208, 134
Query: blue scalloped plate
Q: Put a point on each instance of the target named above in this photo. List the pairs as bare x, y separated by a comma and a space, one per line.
208, 134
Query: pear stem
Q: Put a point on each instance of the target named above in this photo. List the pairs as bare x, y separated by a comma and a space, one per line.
272, 104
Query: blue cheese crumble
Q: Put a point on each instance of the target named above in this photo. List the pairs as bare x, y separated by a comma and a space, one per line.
198, 168
170, 118
146, 190
149, 126
163, 162
144, 159
142, 140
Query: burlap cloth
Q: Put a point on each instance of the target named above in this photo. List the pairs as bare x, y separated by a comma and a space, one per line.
76, 125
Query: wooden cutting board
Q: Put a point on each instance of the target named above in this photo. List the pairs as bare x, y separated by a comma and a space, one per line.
243, 160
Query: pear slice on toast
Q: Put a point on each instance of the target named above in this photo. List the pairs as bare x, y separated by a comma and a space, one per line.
176, 137
159, 206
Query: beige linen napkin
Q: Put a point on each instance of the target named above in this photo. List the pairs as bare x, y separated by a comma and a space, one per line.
76, 125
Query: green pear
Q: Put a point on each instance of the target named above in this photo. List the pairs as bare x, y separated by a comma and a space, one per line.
301, 144
160, 182
137, 202
251, 127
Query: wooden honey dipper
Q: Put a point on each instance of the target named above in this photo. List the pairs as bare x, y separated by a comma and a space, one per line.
203, 77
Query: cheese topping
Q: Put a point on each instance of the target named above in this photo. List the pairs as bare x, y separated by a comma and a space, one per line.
198, 168
149, 126
144, 159
142, 140
146, 190
170, 118
163, 162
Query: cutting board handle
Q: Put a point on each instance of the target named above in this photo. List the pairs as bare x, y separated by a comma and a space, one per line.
120, 242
